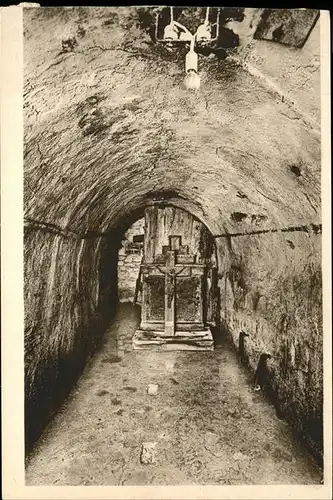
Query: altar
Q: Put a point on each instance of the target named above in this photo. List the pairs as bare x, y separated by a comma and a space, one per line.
174, 288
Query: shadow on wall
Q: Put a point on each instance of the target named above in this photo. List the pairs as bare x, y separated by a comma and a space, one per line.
272, 292
68, 306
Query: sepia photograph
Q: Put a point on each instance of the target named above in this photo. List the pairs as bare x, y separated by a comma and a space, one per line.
173, 251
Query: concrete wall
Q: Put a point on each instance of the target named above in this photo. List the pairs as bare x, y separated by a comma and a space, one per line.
109, 127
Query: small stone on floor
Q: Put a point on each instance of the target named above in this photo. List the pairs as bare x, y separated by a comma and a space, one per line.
148, 453
152, 389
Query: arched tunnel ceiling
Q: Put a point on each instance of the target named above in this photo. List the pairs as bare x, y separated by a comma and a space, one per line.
109, 127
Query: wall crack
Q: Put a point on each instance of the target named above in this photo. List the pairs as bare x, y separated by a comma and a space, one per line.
315, 228
49, 227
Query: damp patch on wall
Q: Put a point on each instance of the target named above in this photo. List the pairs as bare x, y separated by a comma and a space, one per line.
289, 27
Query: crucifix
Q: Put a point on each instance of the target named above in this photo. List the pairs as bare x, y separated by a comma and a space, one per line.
173, 298
177, 280
171, 271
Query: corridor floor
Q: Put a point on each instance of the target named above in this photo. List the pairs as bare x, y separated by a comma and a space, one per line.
209, 425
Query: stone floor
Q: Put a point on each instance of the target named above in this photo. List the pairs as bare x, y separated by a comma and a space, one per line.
208, 425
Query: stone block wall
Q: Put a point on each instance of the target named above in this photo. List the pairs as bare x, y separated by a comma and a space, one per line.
129, 263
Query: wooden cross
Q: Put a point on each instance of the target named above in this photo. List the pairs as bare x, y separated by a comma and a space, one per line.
169, 270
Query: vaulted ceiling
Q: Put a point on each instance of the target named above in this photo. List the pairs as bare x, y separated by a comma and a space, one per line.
109, 127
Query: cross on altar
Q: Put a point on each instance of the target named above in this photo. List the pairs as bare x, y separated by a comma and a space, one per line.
172, 297
178, 279
171, 271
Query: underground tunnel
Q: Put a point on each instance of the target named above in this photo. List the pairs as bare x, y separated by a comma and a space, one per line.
130, 177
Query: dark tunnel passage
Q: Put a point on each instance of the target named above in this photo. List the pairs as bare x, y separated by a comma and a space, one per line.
53, 382
98, 296
205, 407
99, 395
110, 132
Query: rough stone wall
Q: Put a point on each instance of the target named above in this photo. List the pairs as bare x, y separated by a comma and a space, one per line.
109, 127
296, 71
69, 297
271, 289
129, 264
